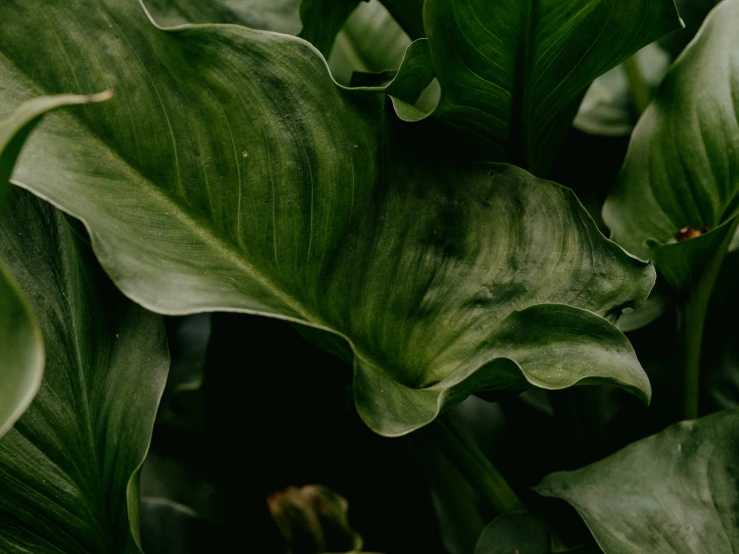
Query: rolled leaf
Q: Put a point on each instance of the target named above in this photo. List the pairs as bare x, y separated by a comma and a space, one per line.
231, 173
672, 493
676, 197
70, 464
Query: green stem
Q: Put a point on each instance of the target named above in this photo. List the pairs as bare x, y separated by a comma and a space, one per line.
475, 466
691, 322
461, 517
641, 92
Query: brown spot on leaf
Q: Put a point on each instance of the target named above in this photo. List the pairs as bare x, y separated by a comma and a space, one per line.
687, 233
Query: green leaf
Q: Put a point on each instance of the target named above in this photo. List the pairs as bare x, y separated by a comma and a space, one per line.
513, 76
523, 533
674, 492
608, 107
21, 352
415, 74
682, 167
692, 12
281, 16
21, 343
409, 14
231, 173
70, 463
171, 528
370, 41
322, 21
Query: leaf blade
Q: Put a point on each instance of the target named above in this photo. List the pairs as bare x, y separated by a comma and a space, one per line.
71, 462
682, 479
275, 192
513, 76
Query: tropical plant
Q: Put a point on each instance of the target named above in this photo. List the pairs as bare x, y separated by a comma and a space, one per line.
324, 244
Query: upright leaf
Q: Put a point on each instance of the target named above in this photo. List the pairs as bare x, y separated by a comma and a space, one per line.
409, 14
322, 21
21, 344
681, 175
70, 463
676, 198
231, 173
370, 41
513, 72
673, 493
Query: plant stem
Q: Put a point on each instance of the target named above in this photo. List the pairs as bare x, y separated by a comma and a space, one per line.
691, 321
641, 92
475, 466
458, 508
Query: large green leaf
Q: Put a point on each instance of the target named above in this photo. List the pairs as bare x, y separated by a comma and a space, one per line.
682, 167
513, 74
673, 493
21, 344
231, 173
70, 463
270, 15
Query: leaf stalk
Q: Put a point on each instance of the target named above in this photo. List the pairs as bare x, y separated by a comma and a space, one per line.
484, 477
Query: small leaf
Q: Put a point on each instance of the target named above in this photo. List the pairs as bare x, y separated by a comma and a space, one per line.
246, 180
608, 107
513, 76
171, 528
518, 533
314, 519
409, 14
672, 493
676, 197
370, 42
323, 19
416, 72
21, 343
70, 464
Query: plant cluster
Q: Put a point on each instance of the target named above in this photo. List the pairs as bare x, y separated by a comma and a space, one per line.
309, 250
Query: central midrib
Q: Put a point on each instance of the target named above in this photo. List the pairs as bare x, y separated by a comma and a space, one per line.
518, 135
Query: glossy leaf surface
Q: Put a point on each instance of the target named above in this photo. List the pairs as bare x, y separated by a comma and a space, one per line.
21, 343
231, 173
281, 16
70, 463
682, 168
513, 76
672, 493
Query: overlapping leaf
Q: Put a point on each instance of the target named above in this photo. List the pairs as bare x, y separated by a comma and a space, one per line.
512, 73
231, 173
69, 465
672, 493
370, 41
21, 344
281, 16
682, 169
